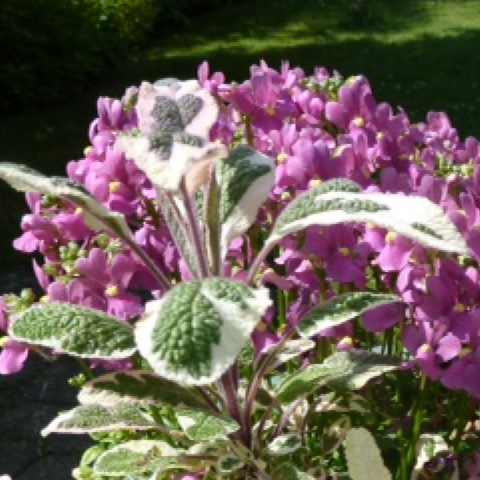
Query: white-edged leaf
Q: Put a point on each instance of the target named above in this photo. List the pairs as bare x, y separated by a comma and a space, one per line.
427, 448
203, 426
363, 456
353, 370
414, 217
285, 444
137, 387
245, 179
194, 333
342, 370
291, 349
97, 217
341, 309
178, 231
95, 418
75, 330
135, 457
229, 464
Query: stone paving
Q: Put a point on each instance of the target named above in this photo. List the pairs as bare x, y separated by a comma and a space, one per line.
28, 402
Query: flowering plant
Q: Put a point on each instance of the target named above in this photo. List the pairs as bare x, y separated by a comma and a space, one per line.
281, 277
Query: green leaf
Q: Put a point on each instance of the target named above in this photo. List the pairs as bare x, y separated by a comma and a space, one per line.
286, 471
342, 370
414, 217
341, 309
202, 426
97, 217
135, 457
245, 179
353, 370
291, 349
194, 333
363, 456
178, 230
78, 331
285, 444
301, 383
229, 464
95, 418
137, 387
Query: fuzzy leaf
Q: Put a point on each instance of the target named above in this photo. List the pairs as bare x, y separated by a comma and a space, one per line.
342, 370
341, 309
414, 217
229, 464
353, 370
179, 232
301, 383
78, 331
97, 217
203, 426
245, 181
95, 418
285, 444
427, 448
137, 387
363, 456
291, 350
194, 333
135, 457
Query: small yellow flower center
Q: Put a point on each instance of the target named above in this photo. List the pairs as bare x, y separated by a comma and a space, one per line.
344, 251
281, 157
3, 341
78, 211
338, 151
380, 136
426, 348
390, 237
114, 187
346, 341
359, 122
44, 299
87, 150
315, 182
459, 307
262, 327
464, 352
286, 196
270, 110
112, 291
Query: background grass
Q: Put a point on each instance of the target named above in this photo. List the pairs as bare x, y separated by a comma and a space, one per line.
418, 54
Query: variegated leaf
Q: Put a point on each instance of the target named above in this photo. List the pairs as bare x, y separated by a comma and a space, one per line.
427, 448
414, 217
135, 457
287, 471
97, 217
341, 309
137, 387
95, 418
75, 330
245, 179
229, 464
194, 333
342, 370
203, 426
353, 370
363, 456
285, 444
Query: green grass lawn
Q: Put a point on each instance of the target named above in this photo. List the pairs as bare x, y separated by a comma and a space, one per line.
418, 54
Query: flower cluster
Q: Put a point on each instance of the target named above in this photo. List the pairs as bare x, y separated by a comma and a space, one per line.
153, 151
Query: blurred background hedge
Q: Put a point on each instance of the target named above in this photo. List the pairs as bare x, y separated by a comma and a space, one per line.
53, 48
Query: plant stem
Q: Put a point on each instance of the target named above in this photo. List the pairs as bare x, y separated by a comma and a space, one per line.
267, 247
196, 237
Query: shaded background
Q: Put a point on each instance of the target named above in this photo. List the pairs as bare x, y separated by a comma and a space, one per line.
57, 57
